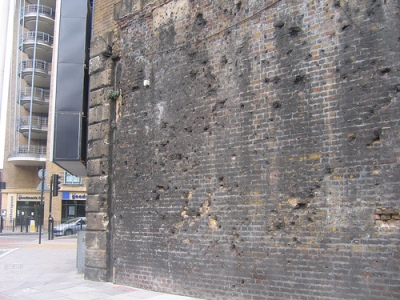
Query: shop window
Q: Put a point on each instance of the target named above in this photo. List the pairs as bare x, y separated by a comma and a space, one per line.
71, 179
73, 209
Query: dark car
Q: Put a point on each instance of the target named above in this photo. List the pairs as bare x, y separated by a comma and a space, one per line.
70, 227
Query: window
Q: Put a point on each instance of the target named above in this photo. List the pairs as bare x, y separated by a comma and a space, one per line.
71, 179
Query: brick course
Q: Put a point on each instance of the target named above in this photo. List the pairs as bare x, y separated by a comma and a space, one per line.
262, 160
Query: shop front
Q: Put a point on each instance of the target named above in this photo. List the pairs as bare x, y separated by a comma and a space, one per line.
22, 210
73, 205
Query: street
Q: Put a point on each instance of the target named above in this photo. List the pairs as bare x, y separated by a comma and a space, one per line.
30, 270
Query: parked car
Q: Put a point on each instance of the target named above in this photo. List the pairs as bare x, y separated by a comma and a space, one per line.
70, 227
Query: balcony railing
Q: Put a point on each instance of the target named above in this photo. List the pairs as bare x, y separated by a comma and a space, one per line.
39, 65
38, 18
37, 44
38, 123
31, 150
39, 37
25, 155
37, 94
36, 72
42, 10
34, 99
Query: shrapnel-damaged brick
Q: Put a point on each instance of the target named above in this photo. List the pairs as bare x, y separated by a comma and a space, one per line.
262, 159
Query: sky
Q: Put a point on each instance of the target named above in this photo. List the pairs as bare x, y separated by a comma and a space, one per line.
5, 58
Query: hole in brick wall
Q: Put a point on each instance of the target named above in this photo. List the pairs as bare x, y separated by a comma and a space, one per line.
346, 27
299, 79
224, 60
238, 5
192, 53
200, 22
163, 187
176, 156
276, 104
384, 71
387, 215
351, 137
308, 57
279, 24
265, 62
279, 225
164, 125
376, 136
294, 31
219, 105
300, 206
193, 74
276, 80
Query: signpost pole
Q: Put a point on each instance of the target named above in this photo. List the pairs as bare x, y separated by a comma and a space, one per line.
41, 205
51, 222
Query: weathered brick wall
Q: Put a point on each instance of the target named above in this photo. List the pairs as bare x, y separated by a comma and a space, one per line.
262, 162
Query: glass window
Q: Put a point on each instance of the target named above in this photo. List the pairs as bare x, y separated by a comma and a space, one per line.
71, 179
73, 209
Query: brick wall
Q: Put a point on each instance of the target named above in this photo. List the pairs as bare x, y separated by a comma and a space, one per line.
262, 160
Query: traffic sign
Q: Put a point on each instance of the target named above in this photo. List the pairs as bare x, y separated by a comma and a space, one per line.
40, 173
45, 187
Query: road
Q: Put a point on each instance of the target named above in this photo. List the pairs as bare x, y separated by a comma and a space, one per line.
29, 270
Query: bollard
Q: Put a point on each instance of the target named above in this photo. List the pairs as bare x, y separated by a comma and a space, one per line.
32, 226
50, 231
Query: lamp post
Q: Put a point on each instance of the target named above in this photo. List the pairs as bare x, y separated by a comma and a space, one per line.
2, 187
42, 187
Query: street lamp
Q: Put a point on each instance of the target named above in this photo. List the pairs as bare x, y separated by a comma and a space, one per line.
42, 187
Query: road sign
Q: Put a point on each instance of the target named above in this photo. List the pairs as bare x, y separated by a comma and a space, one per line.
45, 187
40, 173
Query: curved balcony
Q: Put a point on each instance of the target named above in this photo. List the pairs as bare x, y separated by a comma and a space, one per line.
37, 126
49, 3
35, 99
44, 16
28, 156
36, 72
43, 42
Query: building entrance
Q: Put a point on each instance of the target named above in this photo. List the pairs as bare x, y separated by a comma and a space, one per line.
27, 211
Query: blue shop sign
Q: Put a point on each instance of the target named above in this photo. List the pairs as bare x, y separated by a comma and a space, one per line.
73, 196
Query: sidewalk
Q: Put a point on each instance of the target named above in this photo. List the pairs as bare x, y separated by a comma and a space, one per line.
29, 270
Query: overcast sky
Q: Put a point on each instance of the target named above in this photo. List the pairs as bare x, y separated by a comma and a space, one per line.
5, 58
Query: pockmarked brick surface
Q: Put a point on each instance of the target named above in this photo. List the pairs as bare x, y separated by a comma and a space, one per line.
262, 161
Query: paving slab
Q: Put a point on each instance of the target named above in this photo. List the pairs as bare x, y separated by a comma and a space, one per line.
29, 270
